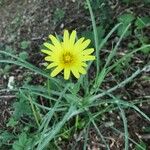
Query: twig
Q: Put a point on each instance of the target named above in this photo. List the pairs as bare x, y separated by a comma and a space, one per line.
145, 136
7, 96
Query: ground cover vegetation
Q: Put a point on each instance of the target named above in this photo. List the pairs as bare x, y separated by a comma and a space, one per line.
104, 104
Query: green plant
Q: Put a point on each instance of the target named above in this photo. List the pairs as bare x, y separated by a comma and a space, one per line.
58, 15
24, 55
125, 19
25, 44
135, 1
5, 70
142, 144
23, 142
58, 109
5, 138
102, 9
141, 23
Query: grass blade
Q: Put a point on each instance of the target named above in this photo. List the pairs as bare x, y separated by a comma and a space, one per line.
56, 128
95, 33
122, 113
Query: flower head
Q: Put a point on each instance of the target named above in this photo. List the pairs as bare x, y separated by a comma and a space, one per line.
69, 55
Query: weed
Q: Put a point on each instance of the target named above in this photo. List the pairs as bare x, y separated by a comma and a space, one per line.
46, 115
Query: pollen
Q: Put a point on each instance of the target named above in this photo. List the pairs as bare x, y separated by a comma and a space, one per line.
67, 58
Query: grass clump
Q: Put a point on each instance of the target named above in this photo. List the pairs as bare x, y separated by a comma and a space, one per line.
46, 115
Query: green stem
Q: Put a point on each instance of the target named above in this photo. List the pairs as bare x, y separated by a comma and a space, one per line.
34, 112
95, 34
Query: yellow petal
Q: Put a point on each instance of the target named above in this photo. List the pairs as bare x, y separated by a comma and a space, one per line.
84, 64
55, 41
50, 46
66, 73
66, 36
56, 71
66, 43
88, 51
79, 42
84, 45
48, 58
75, 72
51, 65
82, 70
48, 52
73, 37
88, 57
52, 58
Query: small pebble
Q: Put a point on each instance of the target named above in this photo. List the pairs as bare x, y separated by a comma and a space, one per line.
11, 82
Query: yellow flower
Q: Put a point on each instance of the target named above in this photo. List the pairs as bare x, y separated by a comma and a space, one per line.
69, 55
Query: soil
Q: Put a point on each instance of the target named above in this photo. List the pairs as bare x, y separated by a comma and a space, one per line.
31, 20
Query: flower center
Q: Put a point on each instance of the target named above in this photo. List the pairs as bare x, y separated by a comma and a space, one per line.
67, 58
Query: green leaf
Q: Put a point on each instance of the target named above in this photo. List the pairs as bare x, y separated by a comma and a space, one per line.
133, 44
142, 144
119, 68
12, 122
21, 108
7, 68
24, 44
142, 22
146, 50
24, 55
5, 137
126, 18
8, 49
147, 1
59, 14
121, 29
147, 129
90, 35
126, 1
23, 143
